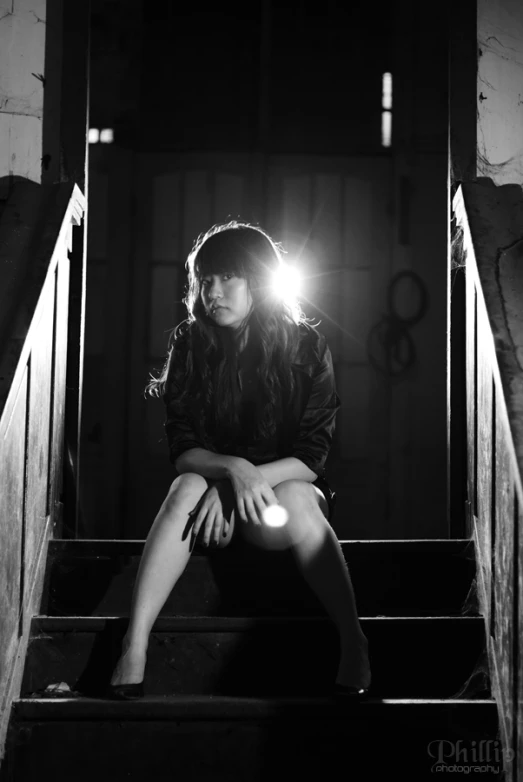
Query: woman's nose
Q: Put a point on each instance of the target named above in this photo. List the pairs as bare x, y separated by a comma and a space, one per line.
215, 290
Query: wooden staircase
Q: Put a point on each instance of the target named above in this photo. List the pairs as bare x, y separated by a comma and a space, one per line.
240, 664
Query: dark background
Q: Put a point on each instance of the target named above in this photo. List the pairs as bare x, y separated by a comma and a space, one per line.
271, 112
298, 77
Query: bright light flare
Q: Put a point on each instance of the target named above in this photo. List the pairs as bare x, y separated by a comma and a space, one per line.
386, 114
286, 282
386, 128
275, 516
107, 136
386, 91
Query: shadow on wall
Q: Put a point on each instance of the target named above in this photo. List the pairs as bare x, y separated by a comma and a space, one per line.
21, 201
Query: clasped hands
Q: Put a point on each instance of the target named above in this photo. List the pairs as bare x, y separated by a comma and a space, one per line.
246, 488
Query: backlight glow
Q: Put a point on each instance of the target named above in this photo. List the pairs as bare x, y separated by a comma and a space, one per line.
287, 282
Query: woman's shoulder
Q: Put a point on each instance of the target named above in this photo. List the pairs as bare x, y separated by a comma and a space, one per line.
311, 345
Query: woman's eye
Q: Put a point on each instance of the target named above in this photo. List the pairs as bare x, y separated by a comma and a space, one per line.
225, 275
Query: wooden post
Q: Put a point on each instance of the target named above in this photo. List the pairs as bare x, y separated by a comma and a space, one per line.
462, 167
74, 159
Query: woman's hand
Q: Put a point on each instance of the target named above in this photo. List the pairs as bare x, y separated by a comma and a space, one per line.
209, 514
252, 492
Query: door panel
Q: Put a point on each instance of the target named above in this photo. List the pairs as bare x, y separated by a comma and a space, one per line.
323, 211
334, 216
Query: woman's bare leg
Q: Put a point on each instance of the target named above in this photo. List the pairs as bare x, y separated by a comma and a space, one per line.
319, 556
165, 556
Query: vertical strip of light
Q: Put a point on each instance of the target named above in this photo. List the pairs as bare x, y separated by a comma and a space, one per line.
386, 114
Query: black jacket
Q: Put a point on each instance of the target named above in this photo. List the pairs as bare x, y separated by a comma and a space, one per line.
307, 426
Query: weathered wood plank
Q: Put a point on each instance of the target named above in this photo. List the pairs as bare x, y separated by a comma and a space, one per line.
74, 376
502, 626
58, 395
471, 336
517, 615
484, 450
12, 459
36, 509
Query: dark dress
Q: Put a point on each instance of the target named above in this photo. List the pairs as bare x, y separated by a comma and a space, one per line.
305, 425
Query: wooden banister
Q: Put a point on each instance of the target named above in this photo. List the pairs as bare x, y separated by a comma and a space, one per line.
36, 238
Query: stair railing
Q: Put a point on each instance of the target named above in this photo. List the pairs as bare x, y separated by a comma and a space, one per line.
494, 389
36, 237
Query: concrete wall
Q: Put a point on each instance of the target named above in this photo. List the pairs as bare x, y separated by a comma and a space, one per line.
500, 91
22, 75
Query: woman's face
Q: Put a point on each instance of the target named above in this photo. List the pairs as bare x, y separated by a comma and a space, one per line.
226, 298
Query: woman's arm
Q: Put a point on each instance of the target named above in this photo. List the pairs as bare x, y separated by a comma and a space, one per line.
207, 463
286, 469
313, 439
219, 466
312, 443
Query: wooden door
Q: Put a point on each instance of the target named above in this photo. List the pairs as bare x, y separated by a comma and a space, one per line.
334, 215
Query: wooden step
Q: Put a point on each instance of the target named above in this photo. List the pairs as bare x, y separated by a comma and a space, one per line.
391, 578
246, 740
256, 656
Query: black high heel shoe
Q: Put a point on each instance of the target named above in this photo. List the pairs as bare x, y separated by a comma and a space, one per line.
125, 692
351, 692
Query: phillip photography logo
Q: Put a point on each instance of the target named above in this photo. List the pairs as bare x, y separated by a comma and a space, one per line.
473, 757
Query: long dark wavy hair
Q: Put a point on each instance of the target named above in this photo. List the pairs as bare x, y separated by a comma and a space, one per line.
211, 364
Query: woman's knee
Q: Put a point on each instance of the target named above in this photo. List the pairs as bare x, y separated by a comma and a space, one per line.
306, 506
295, 491
188, 486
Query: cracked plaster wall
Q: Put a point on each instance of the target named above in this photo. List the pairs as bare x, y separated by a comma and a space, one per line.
495, 201
22, 78
500, 90
495, 216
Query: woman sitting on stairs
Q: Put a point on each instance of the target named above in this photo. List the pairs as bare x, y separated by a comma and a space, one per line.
251, 404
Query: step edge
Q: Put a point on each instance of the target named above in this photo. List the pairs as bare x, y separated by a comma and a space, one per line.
220, 708
46, 622
79, 542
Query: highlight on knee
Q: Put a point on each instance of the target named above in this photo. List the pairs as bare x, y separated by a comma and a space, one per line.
187, 484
